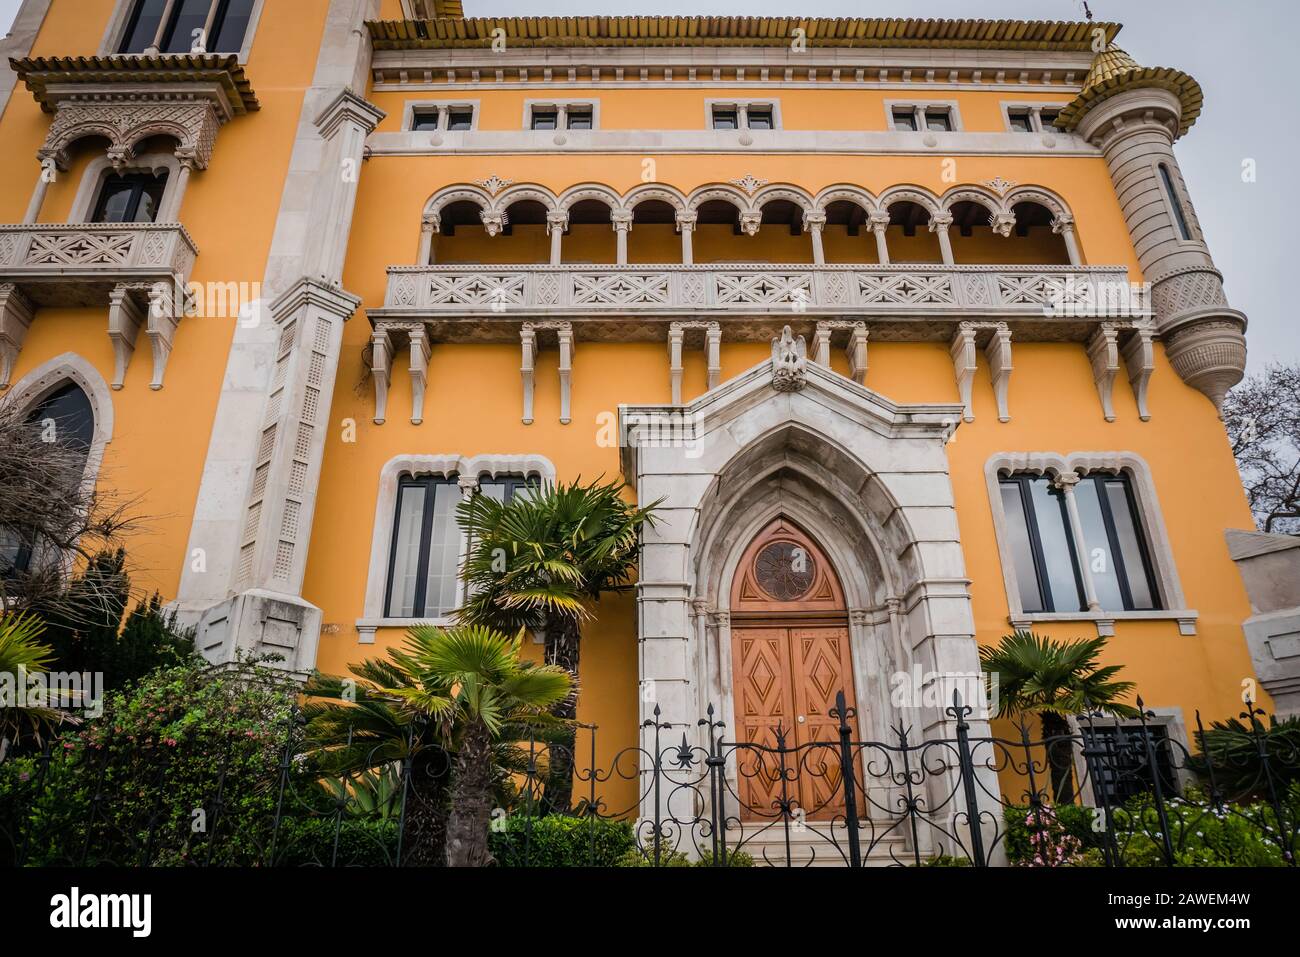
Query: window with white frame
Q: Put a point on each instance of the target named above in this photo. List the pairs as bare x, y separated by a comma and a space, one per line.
1053, 567
1031, 117
913, 117
186, 26
561, 115
1124, 759
743, 115
427, 542
447, 117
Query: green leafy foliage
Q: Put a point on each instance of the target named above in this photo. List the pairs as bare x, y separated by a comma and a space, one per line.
558, 840
1232, 749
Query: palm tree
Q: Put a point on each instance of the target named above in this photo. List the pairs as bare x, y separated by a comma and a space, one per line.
356, 725
541, 562
21, 649
474, 684
1054, 680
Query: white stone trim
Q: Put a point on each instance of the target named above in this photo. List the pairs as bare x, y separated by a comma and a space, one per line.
561, 105
443, 107
1035, 108
390, 475
115, 31
919, 108
98, 170
742, 106
1153, 529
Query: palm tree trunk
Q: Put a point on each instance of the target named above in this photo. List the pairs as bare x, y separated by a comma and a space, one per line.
471, 800
424, 837
563, 648
1060, 757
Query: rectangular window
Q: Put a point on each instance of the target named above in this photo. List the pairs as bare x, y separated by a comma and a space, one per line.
545, 119
460, 120
760, 118
938, 121
1180, 217
130, 198
579, 119
424, 561
1047, 118
215, 26
1120, 765
905, 119
1049, 563
1020, 121
424, 121
725, 118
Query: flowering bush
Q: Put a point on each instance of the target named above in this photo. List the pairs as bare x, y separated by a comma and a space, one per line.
1043, 837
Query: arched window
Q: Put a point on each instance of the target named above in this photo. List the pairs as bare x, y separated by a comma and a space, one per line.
64, 416
1180, 216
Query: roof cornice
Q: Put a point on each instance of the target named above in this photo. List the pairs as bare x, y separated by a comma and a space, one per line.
45, 75
600, 31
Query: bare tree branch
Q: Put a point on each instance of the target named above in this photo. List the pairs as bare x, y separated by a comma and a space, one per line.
1263, 420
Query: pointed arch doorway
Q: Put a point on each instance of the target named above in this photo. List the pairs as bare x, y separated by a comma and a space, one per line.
790, 655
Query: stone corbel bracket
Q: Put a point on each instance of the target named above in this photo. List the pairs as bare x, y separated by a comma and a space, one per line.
1139, 357
420, 352
153, 307
16, 312
381, 370
529, 342
855, 349
1103, 353
997, 351
712, 349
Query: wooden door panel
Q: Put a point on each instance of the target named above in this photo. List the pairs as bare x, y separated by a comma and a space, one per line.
761, 657
821, 667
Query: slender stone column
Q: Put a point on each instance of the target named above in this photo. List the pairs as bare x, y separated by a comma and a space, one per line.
622, 222
815, 224
686, 224
556, 224
1063, 226
49, 171
879, 222
939, 224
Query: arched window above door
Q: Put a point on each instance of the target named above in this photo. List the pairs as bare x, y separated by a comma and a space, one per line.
784, 570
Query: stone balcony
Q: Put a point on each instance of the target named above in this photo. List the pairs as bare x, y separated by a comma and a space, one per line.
903, 301
136, 272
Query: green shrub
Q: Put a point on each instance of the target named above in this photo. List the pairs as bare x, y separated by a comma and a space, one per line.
362, 842
1203, 836
558, 840
1067, 825
667, 858
946, 860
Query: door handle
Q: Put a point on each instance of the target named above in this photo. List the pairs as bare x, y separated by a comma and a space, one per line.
801, 719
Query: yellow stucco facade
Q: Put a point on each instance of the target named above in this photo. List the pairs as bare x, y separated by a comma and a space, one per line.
243, 206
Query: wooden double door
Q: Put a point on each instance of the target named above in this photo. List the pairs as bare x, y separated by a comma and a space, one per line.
790, 658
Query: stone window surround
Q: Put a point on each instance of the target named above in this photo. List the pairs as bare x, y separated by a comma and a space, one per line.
122, 14
742, 107
469, 469
919, 108
561, 106
442, 106
1153, 530
1180, 190
51, 375
1171, 719
1035, 108
98, 170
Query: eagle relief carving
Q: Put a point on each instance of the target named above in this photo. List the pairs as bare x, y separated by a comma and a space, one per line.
789, 362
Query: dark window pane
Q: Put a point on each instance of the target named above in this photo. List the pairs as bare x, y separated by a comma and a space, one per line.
544, 119
1179, 215
904, 120
1057, 551
114, 201
444, 551
460, 119
1120, 765
130, 198
1097, 555
938, 120
231, 26
189, 16
403, 576
760, 119
1131, 545
424, 120
579, 119
1020, 121
143, 26
150, 200
1022, 552
1048, 118
724, 119
69, 410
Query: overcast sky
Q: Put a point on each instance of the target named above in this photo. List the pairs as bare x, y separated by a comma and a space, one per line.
1243, 54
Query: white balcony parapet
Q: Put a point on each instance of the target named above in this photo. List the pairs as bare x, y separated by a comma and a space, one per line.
922, 291
138, 272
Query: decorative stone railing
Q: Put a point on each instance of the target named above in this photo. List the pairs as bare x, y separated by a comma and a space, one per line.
858, 290
94, 252
137, 272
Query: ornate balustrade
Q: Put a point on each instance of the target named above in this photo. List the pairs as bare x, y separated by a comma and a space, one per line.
54, 262
1000, 292
137, 272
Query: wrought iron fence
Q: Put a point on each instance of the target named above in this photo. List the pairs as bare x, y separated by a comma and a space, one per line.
1107, 793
